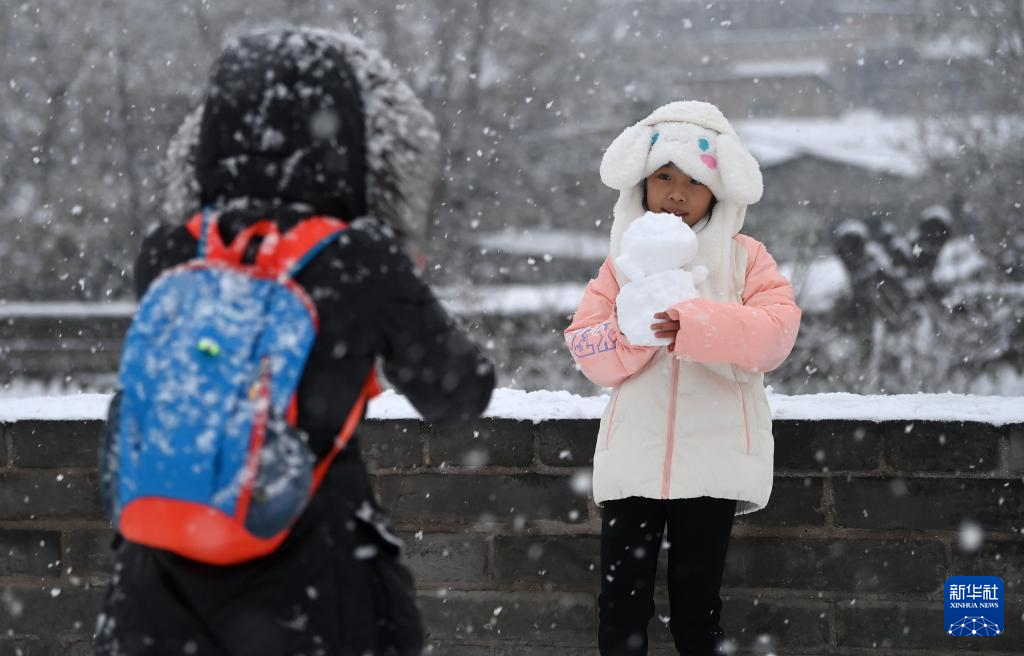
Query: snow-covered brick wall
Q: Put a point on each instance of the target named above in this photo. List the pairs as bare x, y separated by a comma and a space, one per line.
876, 501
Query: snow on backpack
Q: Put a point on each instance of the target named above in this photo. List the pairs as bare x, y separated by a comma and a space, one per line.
203, 458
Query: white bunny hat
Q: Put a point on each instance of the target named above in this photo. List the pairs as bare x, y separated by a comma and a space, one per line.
698, 139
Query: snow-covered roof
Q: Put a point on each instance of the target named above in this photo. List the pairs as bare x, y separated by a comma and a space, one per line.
865, 139
544, 405
893, 145
890, 144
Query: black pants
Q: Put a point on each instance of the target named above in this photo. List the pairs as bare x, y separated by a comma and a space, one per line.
631, 537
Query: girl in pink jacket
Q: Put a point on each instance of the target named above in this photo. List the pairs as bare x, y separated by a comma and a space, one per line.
686, 440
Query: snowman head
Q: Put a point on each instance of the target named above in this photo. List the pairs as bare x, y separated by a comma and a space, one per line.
659, 242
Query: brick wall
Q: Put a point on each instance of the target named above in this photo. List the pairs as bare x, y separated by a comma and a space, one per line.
849, 558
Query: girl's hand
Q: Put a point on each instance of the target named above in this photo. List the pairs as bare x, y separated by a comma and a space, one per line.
665, 328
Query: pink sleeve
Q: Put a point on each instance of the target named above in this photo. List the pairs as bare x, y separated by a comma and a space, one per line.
602, 353
758, 335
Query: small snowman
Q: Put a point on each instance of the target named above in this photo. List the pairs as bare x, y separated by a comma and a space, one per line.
656, 250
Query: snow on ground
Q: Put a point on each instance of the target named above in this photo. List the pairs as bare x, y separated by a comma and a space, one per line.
544, 241
818, 284
506, 300
66, 309
501, 300
543, 405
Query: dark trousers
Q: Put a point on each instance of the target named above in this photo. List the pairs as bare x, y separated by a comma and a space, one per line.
631, 537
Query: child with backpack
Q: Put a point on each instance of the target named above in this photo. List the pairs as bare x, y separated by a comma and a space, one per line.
232, 469
685, 442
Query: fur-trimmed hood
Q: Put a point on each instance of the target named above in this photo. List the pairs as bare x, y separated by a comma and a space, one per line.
399, 147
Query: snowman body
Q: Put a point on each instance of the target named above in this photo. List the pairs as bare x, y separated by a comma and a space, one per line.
656, 250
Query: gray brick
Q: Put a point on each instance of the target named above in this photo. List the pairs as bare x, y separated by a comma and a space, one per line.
835, 445
943, 446
425, 498
391, 443
28, 646
836, 564
37, 494
1015, 463
446, 558
487, 442
540, 650
49, 611
564, 560
788, 624
449, 649
47, 647
794, 502
55, 443
543, 617
760, 625
84, 647
895, 626
29, 553
568, 443
929, 503
1002, 558
89, 552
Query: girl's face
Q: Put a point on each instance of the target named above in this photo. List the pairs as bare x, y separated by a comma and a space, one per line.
672, 191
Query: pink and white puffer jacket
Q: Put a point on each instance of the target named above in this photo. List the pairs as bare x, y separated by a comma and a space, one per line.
694, 421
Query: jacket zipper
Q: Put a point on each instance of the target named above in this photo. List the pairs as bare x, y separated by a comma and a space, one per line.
743, 407
666, 474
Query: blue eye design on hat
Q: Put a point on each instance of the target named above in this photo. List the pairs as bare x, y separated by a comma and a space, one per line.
703, 143
654, 137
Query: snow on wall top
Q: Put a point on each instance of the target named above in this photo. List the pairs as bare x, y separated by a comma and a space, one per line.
503, 300
545, 405
62, 309
547, 241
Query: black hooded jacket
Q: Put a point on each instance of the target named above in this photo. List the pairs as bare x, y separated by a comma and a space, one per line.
282, 138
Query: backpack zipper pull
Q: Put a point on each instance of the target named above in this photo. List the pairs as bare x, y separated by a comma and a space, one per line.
209, 347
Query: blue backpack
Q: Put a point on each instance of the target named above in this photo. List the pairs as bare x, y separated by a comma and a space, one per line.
203, 458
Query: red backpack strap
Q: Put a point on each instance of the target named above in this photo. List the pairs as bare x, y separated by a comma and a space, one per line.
371, 388
302, 243
279, 254
203, 227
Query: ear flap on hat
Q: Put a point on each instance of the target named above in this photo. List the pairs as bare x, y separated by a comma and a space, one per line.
623, 163
741, 174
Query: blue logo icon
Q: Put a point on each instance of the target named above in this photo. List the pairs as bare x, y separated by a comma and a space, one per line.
974, 605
